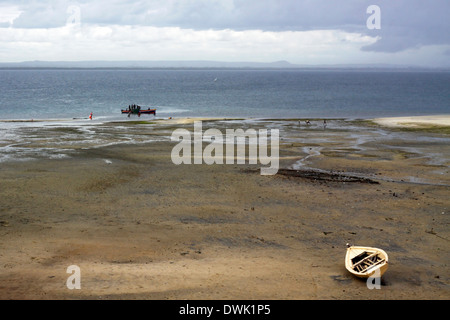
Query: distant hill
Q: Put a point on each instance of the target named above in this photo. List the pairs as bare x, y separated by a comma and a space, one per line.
200, 65
145, 64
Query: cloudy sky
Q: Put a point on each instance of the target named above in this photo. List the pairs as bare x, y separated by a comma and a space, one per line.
413, 32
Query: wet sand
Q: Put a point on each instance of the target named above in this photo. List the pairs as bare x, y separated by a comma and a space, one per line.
140, 227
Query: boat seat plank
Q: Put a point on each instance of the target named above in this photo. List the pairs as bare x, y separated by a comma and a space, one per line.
372, 266
365, 259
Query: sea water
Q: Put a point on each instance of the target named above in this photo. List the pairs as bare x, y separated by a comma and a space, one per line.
68, 94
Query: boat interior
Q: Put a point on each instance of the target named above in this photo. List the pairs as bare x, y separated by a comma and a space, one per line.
366, 261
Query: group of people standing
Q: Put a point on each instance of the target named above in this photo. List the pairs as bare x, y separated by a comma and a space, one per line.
134, 108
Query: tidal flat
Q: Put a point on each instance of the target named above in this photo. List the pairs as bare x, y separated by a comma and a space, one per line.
140, 227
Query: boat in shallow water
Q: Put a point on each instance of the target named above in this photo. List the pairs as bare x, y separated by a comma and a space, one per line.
138, 110
365, 262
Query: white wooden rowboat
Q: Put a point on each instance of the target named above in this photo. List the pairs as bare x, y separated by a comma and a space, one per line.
365, 262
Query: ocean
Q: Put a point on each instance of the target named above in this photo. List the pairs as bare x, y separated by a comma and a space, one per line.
68, 94
44, 113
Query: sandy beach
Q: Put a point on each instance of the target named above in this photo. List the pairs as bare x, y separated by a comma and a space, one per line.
415, 122
140, 227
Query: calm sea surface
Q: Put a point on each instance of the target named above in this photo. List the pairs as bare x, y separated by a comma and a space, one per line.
68, 94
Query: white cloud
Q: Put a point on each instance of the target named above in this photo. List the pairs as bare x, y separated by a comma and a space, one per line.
300, 31
118, 42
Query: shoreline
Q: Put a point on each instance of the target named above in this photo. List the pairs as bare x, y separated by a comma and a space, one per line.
394, 121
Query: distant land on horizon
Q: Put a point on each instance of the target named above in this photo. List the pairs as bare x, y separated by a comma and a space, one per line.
200, 64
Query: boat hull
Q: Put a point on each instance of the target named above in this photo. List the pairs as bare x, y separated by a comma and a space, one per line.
366, 262
148, 111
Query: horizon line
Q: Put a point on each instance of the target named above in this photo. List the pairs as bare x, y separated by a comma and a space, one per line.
201, 64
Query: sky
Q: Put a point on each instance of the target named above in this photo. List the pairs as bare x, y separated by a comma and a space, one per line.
306, 32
